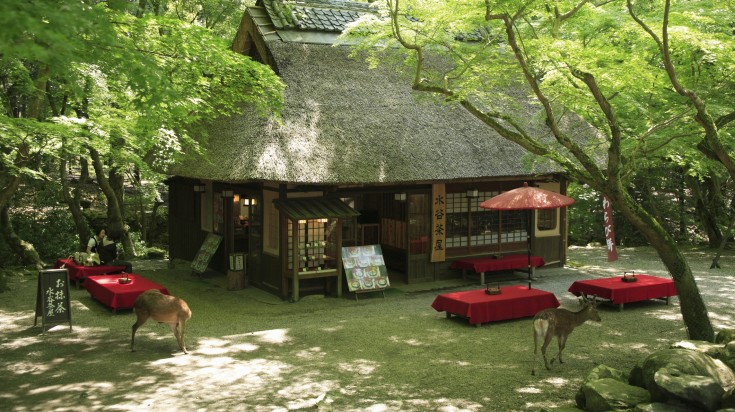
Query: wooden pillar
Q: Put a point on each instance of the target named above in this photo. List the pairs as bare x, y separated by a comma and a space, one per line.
338, 252
295, 254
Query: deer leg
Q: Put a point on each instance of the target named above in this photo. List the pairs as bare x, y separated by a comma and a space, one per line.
181, 326
138, 323
535, 352
540, 328
547, 340
175, 330
562, 343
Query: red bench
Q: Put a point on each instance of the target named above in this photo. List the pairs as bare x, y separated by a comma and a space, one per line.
491, 264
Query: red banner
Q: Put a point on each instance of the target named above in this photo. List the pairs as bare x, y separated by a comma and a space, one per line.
612, 253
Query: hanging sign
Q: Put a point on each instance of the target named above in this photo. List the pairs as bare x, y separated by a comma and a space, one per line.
612, 253
52, 298
438, 222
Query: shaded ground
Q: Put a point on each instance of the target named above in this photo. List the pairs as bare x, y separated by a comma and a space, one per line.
252, 351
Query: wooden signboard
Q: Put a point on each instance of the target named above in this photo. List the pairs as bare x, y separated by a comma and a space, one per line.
208, 249
365, 268
438, 222
52, 298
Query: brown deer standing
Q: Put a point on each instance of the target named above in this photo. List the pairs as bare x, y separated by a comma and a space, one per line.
560, 323
162, 308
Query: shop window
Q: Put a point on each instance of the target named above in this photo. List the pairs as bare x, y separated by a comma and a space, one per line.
317, 245
547, 220
419, 223
470, 225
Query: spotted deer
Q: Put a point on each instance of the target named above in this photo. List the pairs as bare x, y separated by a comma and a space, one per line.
560, 323
162, 308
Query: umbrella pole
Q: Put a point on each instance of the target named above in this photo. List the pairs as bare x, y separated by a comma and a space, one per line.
528, 241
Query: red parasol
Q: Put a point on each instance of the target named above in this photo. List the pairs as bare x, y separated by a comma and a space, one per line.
527, 198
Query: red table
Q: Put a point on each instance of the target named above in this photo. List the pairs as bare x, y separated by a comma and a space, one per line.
490, 264
115, 295
479, 307
619, 292
79, 272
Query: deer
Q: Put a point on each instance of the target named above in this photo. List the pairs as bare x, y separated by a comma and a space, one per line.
560, 322
162, 308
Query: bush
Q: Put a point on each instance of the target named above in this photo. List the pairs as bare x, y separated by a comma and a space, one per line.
586, 221
51, 232
585, 216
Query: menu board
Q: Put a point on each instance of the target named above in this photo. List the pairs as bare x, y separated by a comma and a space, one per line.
365, 268
52, 298
208, 249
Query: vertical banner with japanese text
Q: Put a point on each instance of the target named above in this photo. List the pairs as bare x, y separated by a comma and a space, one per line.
438, 221
612, 253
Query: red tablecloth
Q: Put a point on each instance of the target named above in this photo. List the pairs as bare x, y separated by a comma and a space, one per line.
79, 272
479, 307
489, 264
619, 292
115, 295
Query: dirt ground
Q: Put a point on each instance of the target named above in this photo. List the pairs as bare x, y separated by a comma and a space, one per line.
251, 351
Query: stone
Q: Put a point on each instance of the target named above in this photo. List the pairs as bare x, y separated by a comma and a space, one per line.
604, 371
701, 391
609, 394
712, 349
662, 407
728, 355
725, 336
728, 400
687, 376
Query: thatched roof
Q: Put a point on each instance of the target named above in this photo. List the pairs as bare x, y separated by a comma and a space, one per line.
344, 123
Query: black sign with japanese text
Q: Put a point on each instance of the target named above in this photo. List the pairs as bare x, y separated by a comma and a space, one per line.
52, 299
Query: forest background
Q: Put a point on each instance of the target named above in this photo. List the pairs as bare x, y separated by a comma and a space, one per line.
99, 96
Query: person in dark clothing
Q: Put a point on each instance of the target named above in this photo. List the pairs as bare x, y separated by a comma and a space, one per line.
106, 247
96, 240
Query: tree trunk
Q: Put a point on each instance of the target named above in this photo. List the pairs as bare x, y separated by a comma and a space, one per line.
75, 208
681, 198
115, 220
25, 251
725, 238
693, 309
705, 199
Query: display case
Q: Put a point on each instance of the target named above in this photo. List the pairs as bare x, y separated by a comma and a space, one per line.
315, 241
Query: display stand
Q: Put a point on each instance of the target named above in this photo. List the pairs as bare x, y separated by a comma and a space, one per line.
369, 291
365, 269
313, 254
209, 248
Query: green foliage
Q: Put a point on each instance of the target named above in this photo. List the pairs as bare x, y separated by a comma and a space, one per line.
462, 50
155, 253
585, 216
52, 233
134, 88
586, 220
132, 81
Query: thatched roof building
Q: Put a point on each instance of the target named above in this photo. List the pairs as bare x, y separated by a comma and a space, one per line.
344, 123
351, 141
